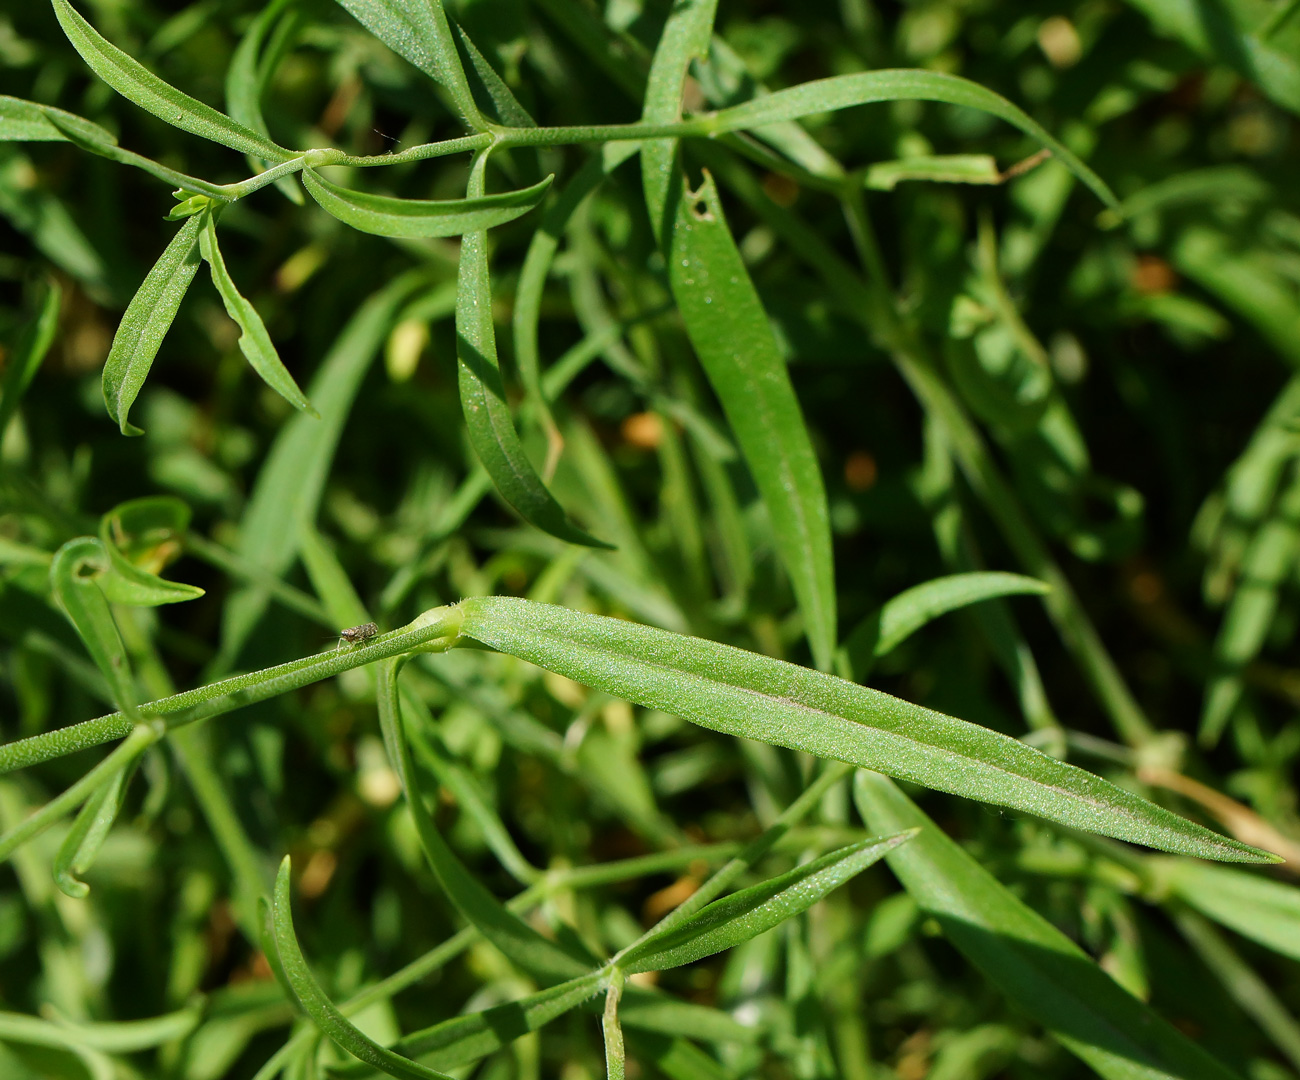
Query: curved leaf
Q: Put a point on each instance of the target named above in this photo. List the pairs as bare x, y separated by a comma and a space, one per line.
141, 537
384, 215
74, 577
733, 338
1038, 968
84, 839
138, 84
902, 84
756, 697
254, 341
735, 919
302, 985
148, 317
482, 394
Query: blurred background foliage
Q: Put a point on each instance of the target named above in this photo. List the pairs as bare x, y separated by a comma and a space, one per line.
1132, 376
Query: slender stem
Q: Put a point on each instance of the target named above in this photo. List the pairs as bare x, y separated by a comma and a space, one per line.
433, 631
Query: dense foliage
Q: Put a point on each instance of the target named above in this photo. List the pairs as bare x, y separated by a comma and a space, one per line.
541, 511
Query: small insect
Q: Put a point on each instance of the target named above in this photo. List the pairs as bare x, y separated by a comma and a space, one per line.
357, 635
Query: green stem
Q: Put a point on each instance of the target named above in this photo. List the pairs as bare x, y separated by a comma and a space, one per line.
434, 631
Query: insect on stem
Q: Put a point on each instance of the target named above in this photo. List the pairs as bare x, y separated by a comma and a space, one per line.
357, 635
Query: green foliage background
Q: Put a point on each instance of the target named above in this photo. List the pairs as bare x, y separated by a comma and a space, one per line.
998, 367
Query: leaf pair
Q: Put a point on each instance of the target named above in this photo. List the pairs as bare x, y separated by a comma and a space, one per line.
152, 310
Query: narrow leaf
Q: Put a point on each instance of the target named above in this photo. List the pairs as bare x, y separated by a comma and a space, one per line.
731, 335
146, 322
254, 341
893, 623
303, 986
757, 697
141, 537
73, 577
482, 394
1039, 969
21, 365
26, 121
84, 839
744, 915
136, 83
384, 215
845, 91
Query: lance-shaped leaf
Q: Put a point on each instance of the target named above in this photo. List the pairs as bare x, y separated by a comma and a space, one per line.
1038, 968
409, 219
84, 839
734, 340
845, 91
138, 84
898, 619
141, 537
735, 919
483, 399
254, 342
26, 121
148, 317
756, 697
22, 364
302, 986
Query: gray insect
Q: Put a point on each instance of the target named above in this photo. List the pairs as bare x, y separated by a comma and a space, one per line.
357, 635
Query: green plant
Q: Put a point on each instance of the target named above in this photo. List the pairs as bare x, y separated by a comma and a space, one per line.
662, 291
